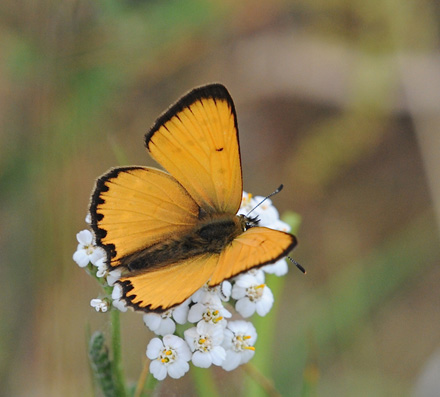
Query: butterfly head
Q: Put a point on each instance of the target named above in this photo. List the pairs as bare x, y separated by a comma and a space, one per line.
248, 221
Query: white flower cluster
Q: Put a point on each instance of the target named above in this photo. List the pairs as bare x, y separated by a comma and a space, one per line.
213, 339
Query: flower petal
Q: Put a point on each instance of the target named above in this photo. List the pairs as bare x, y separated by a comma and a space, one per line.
264, 305
113, 276
158, 370
232, 360
279, 268
166, 326
195, 314
84, 237
97, 254
218, 355
202, 360
225, 290
180, 313
152, 321
245, 307
81, 258
154, 348
177, 369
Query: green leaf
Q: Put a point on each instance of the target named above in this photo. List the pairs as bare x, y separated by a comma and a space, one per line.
101, 364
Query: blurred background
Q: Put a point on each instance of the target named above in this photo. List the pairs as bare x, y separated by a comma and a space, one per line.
339, 100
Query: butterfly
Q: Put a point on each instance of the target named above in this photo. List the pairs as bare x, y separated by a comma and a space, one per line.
173, 232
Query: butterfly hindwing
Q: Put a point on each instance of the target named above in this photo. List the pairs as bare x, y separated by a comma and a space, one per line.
133, 208
196, 141
255, 247
168, 286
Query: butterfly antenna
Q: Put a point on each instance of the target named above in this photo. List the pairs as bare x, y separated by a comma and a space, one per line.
269, 196
297, 264
261, 202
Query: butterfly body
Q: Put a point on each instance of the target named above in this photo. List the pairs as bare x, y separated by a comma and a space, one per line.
170, 233
211, 236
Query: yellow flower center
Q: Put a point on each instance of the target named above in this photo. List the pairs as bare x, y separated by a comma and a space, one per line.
255, 292
167, 356
240, 343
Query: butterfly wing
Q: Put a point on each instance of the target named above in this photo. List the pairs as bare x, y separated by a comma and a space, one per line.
133, 208
168, 286
196, 141
255, 247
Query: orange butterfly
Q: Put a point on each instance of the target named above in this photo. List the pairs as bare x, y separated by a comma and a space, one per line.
171, 233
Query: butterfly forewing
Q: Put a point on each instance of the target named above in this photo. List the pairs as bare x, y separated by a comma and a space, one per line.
134, 208
196, 141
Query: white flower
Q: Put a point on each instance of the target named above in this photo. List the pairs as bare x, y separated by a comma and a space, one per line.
223, 291
205, 343
247, 203
180, 313
117, 301
258, 274
99, 305
240, 337
86, 251
113, 276
169, 357
281, 226
89, 218
102, 267
211, 311
251, 296
160, 324
279, 268
266, 212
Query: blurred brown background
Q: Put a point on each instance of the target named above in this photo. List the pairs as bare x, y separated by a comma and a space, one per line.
339, 100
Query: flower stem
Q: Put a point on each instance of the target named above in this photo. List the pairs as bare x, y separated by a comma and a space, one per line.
204, 382
264, 382
118, 371
263, 360
147, 384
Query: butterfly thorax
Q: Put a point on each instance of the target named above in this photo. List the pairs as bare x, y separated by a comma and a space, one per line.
210, 236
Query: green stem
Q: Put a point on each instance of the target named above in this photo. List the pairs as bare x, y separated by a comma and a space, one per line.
152, 386
204, 382
263, 359
118, 371
258, 378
